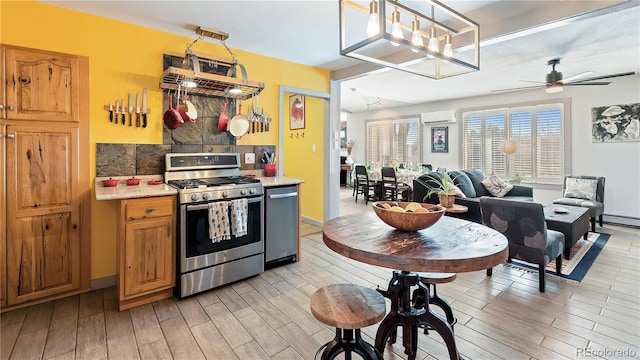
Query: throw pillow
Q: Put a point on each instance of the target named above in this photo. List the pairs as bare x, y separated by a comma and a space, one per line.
476, 177
462, 181
458, 192
580, 188
496, 187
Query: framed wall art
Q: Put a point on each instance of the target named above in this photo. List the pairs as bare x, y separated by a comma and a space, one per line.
440, 139
615, 123
296, 112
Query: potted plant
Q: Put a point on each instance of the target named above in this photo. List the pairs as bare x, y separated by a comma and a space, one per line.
516, 179
444, 188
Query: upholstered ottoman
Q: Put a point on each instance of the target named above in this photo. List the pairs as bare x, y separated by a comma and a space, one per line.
573, 224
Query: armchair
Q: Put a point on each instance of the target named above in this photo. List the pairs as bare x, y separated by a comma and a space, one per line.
584, 191
526, 230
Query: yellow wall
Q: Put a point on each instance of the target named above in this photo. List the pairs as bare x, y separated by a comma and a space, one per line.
299, 159
125, 58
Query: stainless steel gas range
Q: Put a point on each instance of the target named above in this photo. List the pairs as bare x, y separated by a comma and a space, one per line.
203, 179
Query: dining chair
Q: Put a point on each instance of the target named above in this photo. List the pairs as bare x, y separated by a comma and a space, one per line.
391, 187
524, 226
364, 186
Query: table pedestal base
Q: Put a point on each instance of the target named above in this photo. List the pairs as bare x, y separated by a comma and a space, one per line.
403, 313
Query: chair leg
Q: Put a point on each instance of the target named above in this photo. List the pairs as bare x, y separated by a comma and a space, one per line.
593, 224
600, 220
541, 270
559, 264
489, 271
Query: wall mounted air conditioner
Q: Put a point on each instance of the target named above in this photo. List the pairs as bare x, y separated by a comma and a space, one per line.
447, 116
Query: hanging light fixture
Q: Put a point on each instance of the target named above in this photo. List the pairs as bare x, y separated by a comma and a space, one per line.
509, 146
448, 48
416, 35
385, 26
373, 27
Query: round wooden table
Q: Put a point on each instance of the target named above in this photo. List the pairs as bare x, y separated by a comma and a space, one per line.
449, 246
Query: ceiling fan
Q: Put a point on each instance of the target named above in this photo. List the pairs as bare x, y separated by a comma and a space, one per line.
555, 83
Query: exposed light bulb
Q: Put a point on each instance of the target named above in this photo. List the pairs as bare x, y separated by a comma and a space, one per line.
373, 28
396, 29
433, 40
448, 48
235, 90
416, 35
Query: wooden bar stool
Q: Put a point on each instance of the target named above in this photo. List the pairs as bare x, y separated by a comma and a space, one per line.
348, 308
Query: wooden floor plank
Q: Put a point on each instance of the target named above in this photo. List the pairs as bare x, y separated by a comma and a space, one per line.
29, 345
260, 331
146, 326
92, 337
181, 342
122, 348
299, 340
211, 342
230, 328
61, 338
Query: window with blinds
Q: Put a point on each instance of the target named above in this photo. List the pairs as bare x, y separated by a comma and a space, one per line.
539, 131
393, 140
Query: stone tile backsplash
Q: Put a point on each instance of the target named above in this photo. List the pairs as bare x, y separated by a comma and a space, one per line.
148, 159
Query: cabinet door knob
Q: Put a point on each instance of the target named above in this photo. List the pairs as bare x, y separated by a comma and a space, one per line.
1, 106
11, 136
11, 107
149, 210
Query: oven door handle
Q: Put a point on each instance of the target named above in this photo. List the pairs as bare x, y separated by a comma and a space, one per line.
206, 206
282, 196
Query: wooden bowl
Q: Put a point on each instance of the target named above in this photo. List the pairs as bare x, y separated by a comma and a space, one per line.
408, 221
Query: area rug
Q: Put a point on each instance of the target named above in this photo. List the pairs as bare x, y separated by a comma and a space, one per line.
583, 254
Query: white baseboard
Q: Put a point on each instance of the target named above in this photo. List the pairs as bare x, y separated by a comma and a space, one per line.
312, 221
622, 220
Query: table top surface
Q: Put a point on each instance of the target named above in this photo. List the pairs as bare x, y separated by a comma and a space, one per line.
573, 213
449, 246
457, 208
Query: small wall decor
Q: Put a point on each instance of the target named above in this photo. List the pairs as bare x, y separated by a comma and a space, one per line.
440, 139
296, 112
615, 123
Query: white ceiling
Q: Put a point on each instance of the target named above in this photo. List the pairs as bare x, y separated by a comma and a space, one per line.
514, 44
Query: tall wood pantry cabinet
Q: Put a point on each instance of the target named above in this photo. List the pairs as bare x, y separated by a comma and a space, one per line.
45, 204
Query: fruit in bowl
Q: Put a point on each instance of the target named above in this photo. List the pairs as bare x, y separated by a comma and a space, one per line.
408, 216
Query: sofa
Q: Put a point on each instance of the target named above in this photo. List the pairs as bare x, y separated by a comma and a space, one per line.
471, 190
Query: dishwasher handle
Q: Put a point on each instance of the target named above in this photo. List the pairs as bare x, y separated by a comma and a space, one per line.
282, 196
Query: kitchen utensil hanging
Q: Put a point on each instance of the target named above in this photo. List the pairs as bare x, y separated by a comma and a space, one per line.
239, 124
223, 120
171, 116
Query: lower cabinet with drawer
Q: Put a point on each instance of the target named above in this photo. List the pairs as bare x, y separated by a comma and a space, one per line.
146, 250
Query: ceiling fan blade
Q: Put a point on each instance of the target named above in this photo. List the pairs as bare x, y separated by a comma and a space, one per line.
533, 82
576, 76
519, 89
589, 83
605, 77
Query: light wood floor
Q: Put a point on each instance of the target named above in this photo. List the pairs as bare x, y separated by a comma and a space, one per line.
268, 316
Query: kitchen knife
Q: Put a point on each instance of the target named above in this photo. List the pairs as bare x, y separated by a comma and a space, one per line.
123, 112
137, 109
144, 107
117, 112
110, 112
130, 110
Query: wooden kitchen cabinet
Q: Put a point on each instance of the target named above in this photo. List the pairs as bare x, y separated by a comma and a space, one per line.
146, 250
45, 204
40, 85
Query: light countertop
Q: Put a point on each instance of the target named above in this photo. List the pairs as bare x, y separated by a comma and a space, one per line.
279, 181
124, 191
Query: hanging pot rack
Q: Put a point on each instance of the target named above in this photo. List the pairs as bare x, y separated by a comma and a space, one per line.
211, 84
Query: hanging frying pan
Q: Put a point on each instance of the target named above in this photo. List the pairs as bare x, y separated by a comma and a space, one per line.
223, 120
171, 116
239, 124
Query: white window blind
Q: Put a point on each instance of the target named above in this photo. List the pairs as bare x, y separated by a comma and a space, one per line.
393, 140
539, 131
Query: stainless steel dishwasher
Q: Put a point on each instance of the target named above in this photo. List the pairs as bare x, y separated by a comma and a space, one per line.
281, 224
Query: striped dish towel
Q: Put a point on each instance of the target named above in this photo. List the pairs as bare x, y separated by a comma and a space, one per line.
219, 228
239, 210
